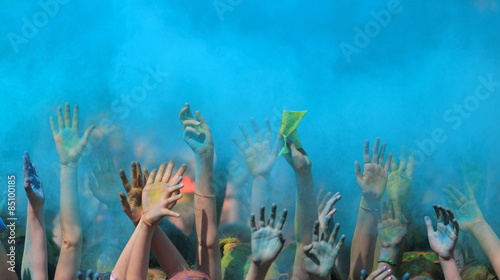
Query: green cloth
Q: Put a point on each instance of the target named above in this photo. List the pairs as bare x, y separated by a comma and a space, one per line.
289, 122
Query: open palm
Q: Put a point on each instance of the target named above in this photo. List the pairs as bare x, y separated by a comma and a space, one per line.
267, 241
68, 143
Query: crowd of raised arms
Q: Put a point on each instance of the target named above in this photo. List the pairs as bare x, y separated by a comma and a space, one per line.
198, 243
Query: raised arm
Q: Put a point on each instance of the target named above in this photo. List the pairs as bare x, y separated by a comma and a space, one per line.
321, 254
472, 221
267, 243
443, 240
372, 182
400, 180
34, 265
392, 228
197, 135
306, 208
158, 199
69, 148
260, 154
169, 258
166, 253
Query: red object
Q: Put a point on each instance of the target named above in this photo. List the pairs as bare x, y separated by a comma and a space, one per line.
188, 185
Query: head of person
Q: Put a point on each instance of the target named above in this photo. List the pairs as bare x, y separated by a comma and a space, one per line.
190, 274
477, 270
237, 258
421, 265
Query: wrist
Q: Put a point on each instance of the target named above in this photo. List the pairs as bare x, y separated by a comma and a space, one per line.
478, 227
36, 211
372, 207
262, 176
446, 259
388, 252
262, 265
71, 164
148, 224
206, 152
370, 202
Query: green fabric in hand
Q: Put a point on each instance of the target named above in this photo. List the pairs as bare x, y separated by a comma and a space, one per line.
289, 122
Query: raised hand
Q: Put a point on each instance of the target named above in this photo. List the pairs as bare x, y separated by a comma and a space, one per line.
267, 239
373, 179
105, 183
466, 208
298, 159
261, 154
400, 179
132, 205
392, 227
154, 211
158, 181
68, 143
321, 253
444, 239
32, 184
196, 131
325, 207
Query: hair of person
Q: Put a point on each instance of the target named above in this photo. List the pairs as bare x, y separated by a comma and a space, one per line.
477, 270
190, 274
421, 267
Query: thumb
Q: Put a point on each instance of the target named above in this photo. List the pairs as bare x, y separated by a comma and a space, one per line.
85, 139
428, 225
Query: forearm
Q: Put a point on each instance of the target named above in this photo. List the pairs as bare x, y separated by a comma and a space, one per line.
121, 266
388, 257
305, 216
450, 269
166, 253
206, 217
489, 243
138, 265
236, 204
35, 251
70, 211
260, 192
257, 272
71, 248
364, 240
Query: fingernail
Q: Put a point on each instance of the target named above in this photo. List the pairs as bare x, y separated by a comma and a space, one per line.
385, 267
390, 278
389, 270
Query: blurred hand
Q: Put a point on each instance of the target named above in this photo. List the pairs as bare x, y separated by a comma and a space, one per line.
261, 154
298, 159
69, 145
32, 184
267, 240
325, 207
444, 239
196, 132
104, 183
400, 179
468, 212
392, 227
373, 179
321, 253
132, 205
